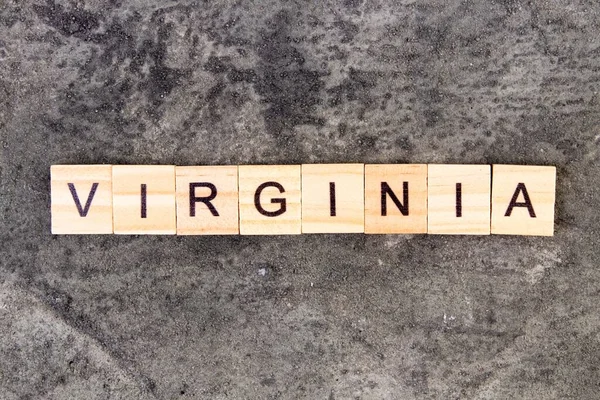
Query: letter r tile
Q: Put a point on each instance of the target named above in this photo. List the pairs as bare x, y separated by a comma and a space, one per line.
207, 200
270, 199
81, 199
458, 199
144, 199
523, 200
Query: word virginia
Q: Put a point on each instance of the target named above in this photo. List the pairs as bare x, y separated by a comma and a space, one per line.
309, 198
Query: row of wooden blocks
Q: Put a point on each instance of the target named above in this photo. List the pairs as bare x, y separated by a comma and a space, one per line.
309, 198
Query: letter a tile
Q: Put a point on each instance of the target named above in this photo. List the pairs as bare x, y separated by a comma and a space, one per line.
396, 198
81, 199
144, 199
523, 200
207, 200
458, 199
270, 200
333, 198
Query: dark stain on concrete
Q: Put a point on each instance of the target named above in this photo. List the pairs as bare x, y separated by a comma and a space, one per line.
289, 88
77, 22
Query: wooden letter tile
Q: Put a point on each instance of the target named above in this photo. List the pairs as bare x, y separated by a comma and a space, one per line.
459, 199
396, 198
207, 200
333, 198
81, 197
144, 199
270, 199
523, 200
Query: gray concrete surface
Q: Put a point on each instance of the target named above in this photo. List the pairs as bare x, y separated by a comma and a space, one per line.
311, 317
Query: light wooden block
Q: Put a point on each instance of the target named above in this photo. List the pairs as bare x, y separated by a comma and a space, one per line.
333, 198
387, 184
270, 200
523, 200
207, 200
458, 199
131, 215
81, 199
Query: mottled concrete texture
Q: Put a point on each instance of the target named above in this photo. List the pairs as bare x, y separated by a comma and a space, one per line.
311, 316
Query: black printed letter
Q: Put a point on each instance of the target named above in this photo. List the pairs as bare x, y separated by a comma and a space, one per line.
143, 194
83, 211
459, 199
332, 210
281, 201
206, 200
386, 190
527, 203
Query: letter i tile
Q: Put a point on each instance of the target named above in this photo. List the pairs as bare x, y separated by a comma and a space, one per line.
144, 199
458, 199
333, 198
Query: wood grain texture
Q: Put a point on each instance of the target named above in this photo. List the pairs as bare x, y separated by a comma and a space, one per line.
160, 199
66, 217
349, 198
270, 199
395, 176
534, 183
197, 218
442, 214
